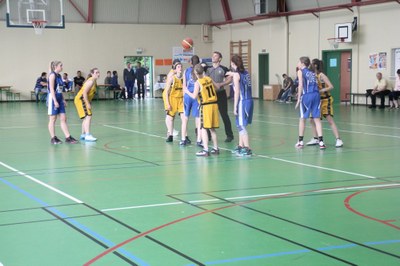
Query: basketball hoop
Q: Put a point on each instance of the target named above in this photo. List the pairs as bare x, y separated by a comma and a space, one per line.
334, 42
38, 26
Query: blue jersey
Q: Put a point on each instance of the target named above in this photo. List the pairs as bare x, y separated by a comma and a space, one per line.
245, 86
58, 83
189, 80
310, 84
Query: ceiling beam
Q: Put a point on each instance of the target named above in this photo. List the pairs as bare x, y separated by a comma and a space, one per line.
227, 10
306, 11
89, 17
184, 11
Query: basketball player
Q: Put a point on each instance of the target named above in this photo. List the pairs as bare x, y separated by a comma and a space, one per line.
205, 91
324, 86
243, 104
173, 100
309, 101
56, 104
190, 105
83, 104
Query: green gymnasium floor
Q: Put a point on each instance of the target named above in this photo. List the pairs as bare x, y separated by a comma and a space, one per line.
132, 199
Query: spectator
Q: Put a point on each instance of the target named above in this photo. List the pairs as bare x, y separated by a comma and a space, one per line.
78, 81
141, 72
107, 79
67, 82
115, 85
41, 87
129, 79
285, 93
394, 95
380, 89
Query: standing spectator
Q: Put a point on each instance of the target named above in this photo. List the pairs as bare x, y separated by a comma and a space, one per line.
129, 79
217, 74
309, 101
41, 87
78, 81
56, 104
83, 104
380, 89
141, 72
394, 95
243, 104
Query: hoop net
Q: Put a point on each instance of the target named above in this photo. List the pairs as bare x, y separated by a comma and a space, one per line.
334, 42
38, 26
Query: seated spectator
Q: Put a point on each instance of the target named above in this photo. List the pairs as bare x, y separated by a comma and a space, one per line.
115, 85
287, 88
394, 95
41, 87
380, 89
78, 81
67, 82
107, 80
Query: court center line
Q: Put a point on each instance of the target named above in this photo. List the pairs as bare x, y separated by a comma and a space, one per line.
273, 195
262, 156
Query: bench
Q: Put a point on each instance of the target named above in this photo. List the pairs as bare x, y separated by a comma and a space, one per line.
356, 94
42, 96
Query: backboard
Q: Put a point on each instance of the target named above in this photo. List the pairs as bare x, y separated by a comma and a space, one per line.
21, 13
344, 31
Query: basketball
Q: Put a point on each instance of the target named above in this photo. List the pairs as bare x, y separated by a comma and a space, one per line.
187, 43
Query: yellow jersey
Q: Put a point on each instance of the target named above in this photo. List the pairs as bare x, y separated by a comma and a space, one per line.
207, 93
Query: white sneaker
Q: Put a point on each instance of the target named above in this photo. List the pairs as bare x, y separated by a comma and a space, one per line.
339, 143
175, 132
313, 141
89, 137
299, 145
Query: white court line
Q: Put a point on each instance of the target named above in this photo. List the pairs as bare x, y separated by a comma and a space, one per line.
41, 183
134, 131
252, 197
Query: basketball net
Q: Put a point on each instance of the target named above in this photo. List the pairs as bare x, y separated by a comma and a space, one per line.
334, 42
38, 26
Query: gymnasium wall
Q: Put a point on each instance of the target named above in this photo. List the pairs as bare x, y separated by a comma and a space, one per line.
285, 41
82, 46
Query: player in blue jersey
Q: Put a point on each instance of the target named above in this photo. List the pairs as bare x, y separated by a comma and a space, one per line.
190, 105
243, 103
308, 100
56, 104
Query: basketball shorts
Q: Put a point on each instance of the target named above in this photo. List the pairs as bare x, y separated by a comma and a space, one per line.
51, 109
190, 106
327, 106
81, 107
310, 105
176, 106
209, 116
245, 113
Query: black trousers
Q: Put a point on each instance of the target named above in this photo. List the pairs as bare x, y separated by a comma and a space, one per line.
223, 111
141, 89
380, 94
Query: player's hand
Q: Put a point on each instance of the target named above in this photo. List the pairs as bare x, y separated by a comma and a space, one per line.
235, 111
297, 104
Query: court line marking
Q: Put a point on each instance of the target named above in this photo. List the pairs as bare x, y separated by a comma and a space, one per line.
41, 183
253, 196
262, 156
179, 220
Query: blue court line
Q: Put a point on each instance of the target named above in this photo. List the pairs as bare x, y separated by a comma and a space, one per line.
75, 223
300, 251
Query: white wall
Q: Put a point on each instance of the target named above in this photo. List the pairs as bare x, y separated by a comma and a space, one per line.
307, 35
25, 55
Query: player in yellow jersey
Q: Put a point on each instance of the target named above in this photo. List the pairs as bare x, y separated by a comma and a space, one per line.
204, 91
173, 99
83, 105
324, 86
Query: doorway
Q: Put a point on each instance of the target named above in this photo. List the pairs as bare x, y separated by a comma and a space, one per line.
263, 73
337, 66
146, 62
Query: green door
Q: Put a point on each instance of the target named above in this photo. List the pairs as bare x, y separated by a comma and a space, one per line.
263, 73
332, 66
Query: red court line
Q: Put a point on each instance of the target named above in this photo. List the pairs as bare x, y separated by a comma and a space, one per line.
195, 215
348, 206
